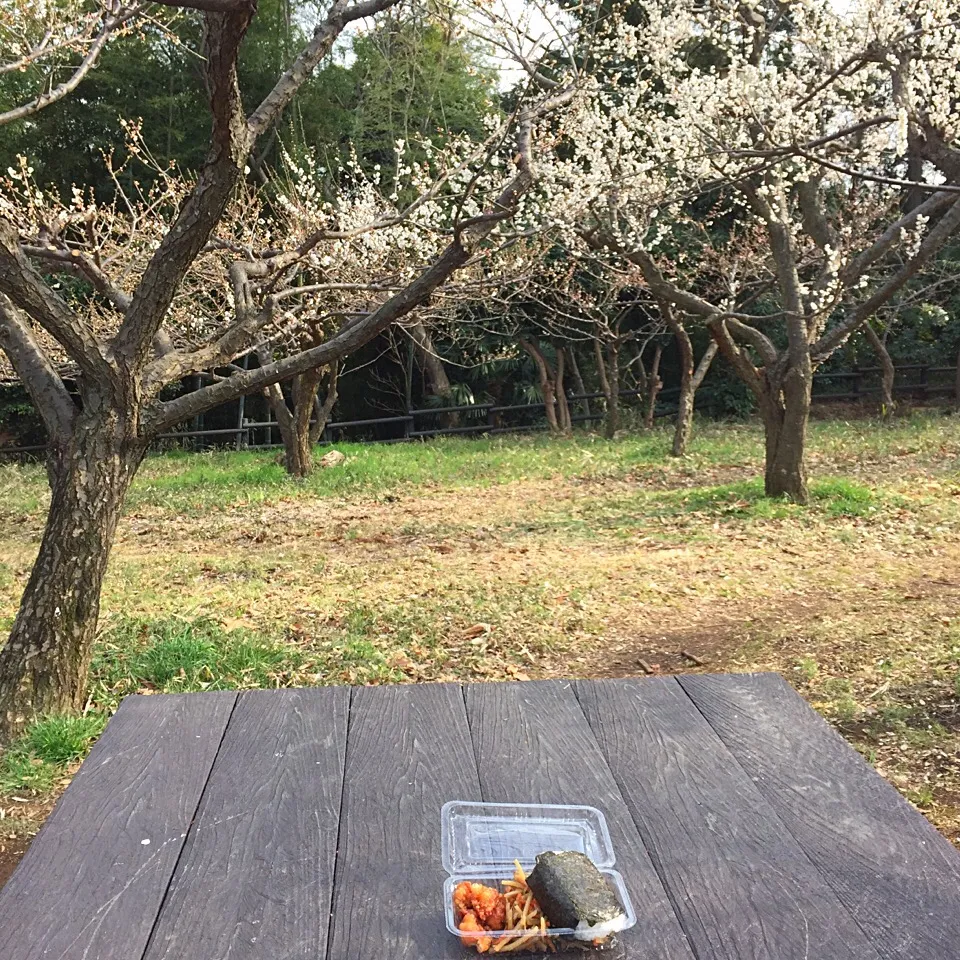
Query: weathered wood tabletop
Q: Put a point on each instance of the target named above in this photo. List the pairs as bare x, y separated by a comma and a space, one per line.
302, 824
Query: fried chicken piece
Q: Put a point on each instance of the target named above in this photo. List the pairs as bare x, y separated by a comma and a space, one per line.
486, 903
471, 925
462, 897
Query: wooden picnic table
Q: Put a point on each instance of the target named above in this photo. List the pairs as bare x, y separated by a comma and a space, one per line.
303, 824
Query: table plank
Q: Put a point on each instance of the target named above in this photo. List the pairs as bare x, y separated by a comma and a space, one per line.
896, 874
408, 752
534, 745
741, 884
91, 884
256, 875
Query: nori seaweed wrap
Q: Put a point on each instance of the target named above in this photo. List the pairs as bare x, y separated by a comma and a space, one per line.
572, 892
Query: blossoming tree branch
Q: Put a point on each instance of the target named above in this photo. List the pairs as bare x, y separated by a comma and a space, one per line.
186, 276
833, 134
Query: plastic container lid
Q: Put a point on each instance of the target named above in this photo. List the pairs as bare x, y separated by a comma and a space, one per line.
488, 837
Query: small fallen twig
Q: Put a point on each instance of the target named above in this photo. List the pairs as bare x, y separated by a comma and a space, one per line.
693, 658
647, 668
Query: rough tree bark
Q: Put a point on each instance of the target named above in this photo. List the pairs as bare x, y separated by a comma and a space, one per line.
782, 391
785, 409
323, 411
608, 372
690, 377
545, 376
578, 383
654, 386
299, 428
44, 664
437, 379
560, 392
887, 369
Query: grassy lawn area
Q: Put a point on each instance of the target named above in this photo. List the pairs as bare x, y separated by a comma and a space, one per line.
522, 558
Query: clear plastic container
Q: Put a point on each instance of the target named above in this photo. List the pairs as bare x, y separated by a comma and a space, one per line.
480, 843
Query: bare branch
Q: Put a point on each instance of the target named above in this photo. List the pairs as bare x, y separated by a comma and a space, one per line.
892, 235
26, 289
342, 344
931, 244
874, 177
46, 389
736, 357
703, 367
658, 283
112, 23
351, 337
207, 6
752, 336
77, 263
814, 220
324, 35
810, 145
204, 208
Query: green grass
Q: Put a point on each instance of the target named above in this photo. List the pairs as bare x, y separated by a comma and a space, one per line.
172, 655
193, 483
41, 756
60, 739
602, 550
21, 772
741, 501
746, 500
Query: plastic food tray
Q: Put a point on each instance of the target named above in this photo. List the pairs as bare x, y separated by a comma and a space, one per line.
481, 841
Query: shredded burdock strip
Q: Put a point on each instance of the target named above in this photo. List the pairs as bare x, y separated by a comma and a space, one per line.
527, 925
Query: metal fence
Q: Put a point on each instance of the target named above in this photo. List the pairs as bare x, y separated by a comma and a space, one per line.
489, 419
917, 381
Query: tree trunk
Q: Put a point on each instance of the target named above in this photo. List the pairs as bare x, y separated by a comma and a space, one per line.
690, 378
684, 424
690, 381
45, 662
785, 410
559, 391
654, 386
436, 375
578, 383
545, 376
889, 371
608, 372
956, 385
322, 411
294, 425
613, 378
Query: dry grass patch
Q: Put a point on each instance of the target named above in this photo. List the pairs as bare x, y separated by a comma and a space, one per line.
577, 558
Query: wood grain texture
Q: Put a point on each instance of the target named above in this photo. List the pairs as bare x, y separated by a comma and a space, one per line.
91, 884
898, 877
534, 745
741, 885
408, 752
256, 876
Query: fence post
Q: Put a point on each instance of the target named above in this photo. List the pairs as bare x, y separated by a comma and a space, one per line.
408, 424
491, 418
923, 382
857, 375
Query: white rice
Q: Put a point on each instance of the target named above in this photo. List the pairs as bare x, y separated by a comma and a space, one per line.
599, 931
